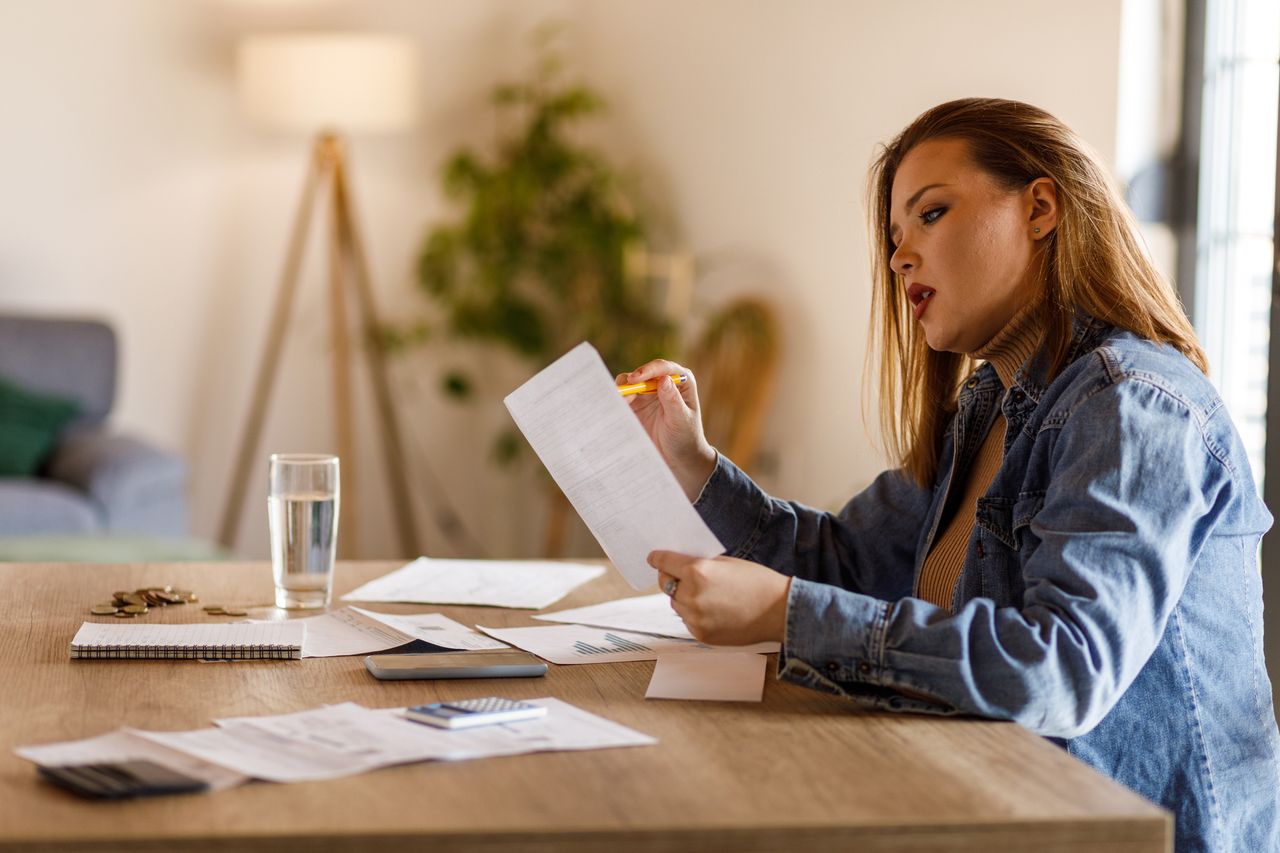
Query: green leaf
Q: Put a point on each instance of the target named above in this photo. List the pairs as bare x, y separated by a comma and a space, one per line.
395, 340
463, 174
457, 385
506, 448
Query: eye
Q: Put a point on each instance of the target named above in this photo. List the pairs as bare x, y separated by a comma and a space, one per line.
932, 215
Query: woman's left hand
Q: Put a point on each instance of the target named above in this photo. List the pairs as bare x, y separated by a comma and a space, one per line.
723, 600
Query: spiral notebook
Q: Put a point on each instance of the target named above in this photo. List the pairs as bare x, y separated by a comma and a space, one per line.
234, 641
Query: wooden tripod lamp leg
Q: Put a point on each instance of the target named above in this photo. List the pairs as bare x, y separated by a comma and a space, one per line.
391, 445
252, 431
343, 411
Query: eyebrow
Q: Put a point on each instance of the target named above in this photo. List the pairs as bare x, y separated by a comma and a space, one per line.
911, 202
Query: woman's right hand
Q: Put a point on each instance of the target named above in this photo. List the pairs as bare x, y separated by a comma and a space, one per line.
674, 422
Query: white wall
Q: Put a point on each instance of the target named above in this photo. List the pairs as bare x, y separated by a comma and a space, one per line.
133, 190
760, 120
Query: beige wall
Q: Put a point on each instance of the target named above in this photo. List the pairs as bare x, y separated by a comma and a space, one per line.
133, 190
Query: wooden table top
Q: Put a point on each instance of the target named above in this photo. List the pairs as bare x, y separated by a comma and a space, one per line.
798, 771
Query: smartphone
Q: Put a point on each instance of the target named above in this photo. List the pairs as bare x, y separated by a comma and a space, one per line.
513, 664
466, 713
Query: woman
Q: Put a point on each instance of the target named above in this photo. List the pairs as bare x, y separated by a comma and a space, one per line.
1070, 537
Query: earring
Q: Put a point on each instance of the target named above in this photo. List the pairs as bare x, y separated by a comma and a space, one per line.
1036, 230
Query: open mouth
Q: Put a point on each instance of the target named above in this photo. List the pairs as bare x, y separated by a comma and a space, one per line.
919, 295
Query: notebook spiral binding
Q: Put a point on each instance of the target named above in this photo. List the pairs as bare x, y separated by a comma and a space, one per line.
206, 652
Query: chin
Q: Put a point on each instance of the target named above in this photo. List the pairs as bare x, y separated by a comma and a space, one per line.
939, 342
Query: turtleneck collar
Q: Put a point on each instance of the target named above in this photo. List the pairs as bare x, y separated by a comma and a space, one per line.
1015, 343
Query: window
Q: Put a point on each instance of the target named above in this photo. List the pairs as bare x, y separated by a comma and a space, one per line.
1235, 254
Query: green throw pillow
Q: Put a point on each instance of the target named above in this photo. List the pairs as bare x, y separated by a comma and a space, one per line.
29, 424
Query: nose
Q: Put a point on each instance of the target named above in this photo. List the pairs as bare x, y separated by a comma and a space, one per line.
903, 259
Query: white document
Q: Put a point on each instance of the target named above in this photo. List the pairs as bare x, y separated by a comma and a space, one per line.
487, 583
354, 631
435, 628
264, 754
728, 677
340, 740
564, 728
647, 614
568, 644
600, 457
129, 745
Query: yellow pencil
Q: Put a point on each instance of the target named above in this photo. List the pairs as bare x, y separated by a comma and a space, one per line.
650, 387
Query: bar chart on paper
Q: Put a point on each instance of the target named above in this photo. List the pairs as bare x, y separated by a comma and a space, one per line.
583, 644
616, 644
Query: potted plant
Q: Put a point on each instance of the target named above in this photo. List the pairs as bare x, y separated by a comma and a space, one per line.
536, 260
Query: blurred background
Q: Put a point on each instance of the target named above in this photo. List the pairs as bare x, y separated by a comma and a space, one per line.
154, 168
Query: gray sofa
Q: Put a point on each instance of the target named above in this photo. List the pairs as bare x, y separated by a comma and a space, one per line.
95, 481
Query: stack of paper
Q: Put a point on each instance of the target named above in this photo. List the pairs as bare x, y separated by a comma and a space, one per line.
570, 644
337, 740
620, 630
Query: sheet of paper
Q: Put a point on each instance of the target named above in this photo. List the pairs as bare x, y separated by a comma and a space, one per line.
568, 644
487, 583
340, 740
600, 457
129, 745
646, 614
347, 632
263, 755
728, 677
355, 631
435, 628
564, 728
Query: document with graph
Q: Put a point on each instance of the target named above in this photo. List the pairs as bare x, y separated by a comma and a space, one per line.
583, 644
601, 458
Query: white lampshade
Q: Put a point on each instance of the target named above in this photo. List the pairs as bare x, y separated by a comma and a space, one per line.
353, 82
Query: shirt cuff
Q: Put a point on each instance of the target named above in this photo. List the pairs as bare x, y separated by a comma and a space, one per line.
835, 643
733, 507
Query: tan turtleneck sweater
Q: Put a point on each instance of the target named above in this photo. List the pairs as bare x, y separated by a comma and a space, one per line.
1006, 352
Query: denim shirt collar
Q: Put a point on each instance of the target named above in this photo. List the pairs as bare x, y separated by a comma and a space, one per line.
980, 397
1031, 380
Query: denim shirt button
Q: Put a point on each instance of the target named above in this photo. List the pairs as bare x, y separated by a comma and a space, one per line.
972, 383
1018, 396
864, 668
832, 666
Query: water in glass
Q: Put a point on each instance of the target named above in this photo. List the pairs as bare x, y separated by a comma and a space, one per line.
304, 533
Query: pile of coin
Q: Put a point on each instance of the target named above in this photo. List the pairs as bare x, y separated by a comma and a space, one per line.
127, 605
215, 610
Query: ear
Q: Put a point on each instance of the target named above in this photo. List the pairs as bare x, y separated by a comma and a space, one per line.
1041, 201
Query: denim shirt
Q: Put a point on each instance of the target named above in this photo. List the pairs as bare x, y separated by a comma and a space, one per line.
1110, 597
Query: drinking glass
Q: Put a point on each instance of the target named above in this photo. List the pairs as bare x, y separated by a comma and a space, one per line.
302, 508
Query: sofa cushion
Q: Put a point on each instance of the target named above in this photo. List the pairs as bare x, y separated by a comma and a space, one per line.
41, 506
72, 359
29, 425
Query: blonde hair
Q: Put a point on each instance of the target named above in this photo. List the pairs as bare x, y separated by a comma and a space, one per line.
1092, 262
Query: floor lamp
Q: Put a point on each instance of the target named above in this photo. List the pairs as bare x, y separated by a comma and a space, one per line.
360, 83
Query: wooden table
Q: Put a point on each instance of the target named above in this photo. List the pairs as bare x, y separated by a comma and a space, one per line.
800, 771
